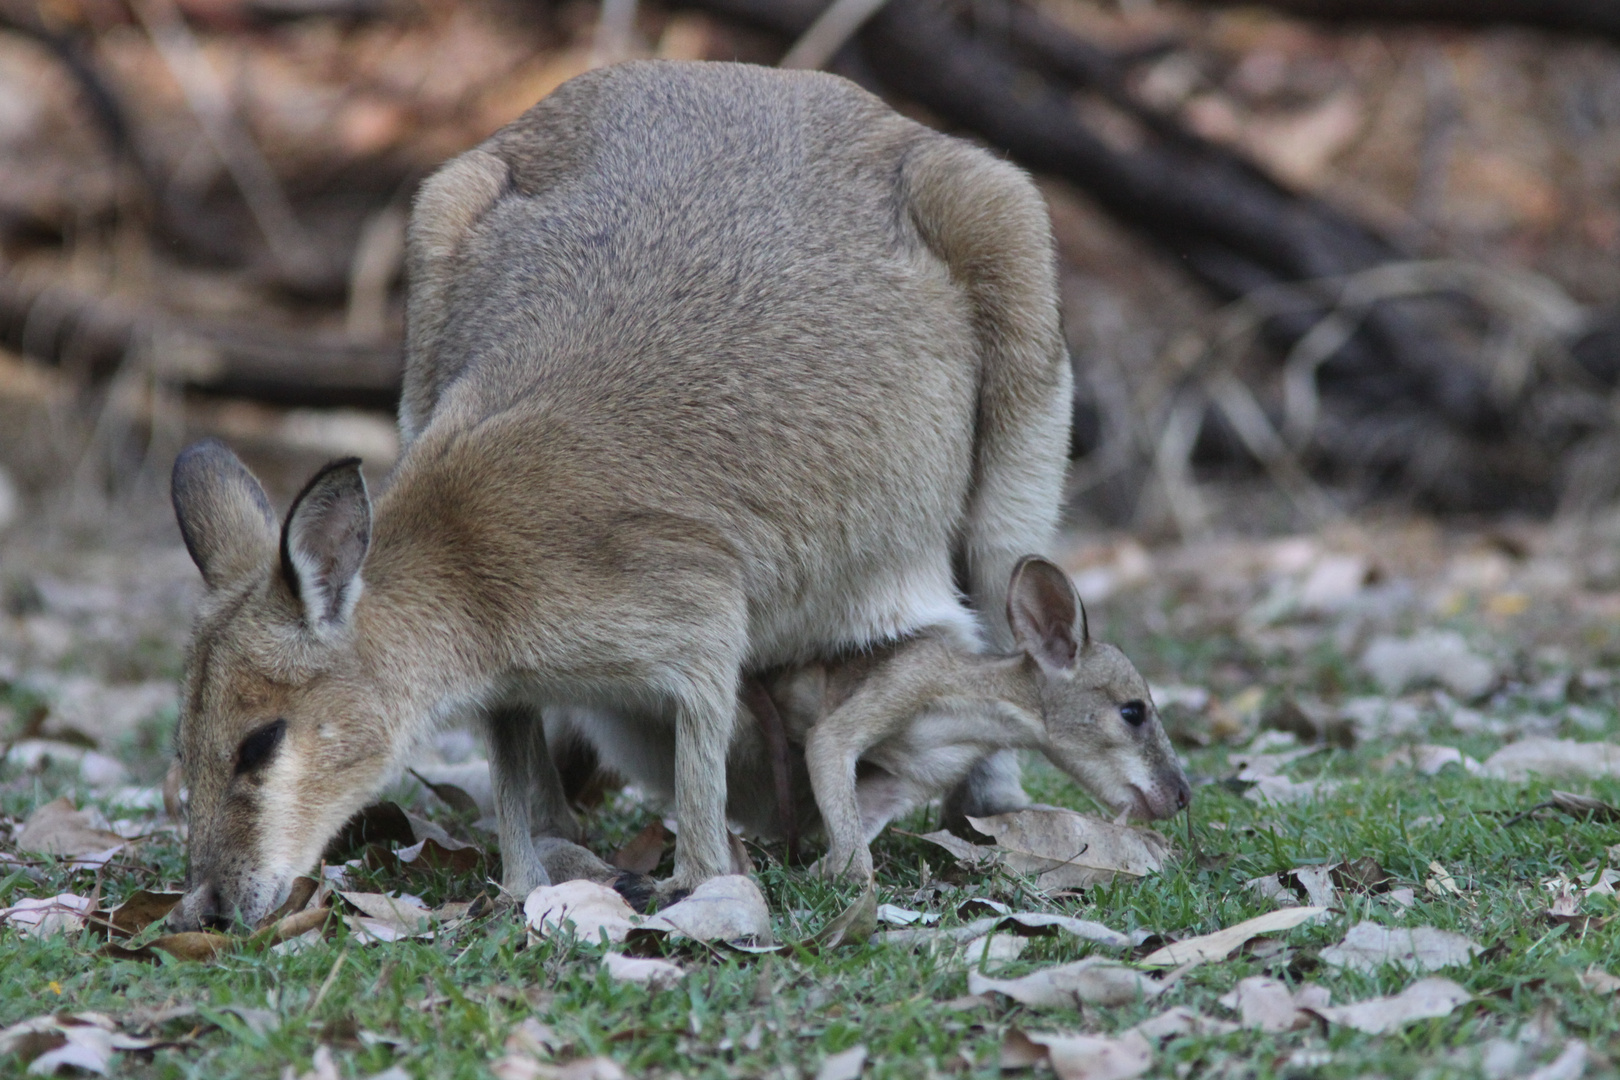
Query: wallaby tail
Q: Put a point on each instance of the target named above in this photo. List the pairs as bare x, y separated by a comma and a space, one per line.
987, 221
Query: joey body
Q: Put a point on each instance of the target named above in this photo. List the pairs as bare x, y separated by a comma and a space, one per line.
922, 714
709, 368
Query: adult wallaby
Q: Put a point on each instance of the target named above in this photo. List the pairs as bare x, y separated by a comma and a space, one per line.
708, 367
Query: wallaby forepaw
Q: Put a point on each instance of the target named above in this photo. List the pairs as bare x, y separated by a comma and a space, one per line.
638, 890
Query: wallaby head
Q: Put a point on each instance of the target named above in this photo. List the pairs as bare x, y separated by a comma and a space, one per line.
1101, 725
281, 734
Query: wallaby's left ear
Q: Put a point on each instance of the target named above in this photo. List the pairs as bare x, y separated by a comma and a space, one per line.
1047, 618
324, 544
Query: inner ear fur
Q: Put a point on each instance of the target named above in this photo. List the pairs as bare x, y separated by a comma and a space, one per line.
1047, 618
224, 516
324, 543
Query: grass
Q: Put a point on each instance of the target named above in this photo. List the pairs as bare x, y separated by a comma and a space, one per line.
444, 1008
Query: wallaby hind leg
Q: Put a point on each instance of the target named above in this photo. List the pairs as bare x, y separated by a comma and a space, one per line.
986, 219
529, 799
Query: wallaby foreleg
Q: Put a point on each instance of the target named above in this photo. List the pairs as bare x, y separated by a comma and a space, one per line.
831, 751
703, 727
529, 798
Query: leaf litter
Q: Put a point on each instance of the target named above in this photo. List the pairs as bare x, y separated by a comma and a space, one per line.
1207, 948
1078, 1057
1058, 848
1368, 947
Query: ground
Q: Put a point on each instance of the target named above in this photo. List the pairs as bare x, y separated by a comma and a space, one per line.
1238, 637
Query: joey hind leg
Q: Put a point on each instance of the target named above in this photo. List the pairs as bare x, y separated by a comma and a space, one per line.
993, 786
529, 798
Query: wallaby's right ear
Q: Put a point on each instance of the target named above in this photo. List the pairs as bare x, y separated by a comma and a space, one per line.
1047, 619
224, 516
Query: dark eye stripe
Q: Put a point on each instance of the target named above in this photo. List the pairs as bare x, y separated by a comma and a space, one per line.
1134, 713
257, 747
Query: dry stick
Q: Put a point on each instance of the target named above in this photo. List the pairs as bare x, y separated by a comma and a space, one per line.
833, 28
209, 103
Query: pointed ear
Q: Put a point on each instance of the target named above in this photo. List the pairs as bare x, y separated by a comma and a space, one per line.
1047, 619
224, 517
324, 544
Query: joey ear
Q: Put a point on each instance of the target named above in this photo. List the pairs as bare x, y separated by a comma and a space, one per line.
224, 516
324, 543
1047, 619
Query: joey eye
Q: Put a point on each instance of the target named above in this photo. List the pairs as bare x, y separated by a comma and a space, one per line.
1133, 713
257, 747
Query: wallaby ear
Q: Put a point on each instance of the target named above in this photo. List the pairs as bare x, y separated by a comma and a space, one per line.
324, 544
225, 518
1047, 619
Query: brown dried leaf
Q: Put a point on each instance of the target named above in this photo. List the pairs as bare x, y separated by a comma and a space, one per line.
1060, 848
586, 908
855, 925
1553, 757
1220, 944
452, 796
729, 908
1091, 982
1268, 1004
58, 829
1422, 1000
644, 851
1369, 947
192, 945
1078, 1057
141, 910
651, 972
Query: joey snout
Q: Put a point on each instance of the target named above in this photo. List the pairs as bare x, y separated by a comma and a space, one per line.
1166, 795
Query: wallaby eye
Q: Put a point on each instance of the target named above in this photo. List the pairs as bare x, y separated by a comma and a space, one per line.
1134, 713
257, 747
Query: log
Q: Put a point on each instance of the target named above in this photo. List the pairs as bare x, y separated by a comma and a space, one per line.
92, 337
1229, 223
1583, 17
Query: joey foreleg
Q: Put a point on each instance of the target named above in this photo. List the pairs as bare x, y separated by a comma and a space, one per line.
529, 798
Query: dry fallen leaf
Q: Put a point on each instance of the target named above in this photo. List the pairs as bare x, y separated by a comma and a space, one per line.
644, 851
1090, 982
1369, 947
48, 915
1553, 758
1428, 759
85, 1041
1220, 944
1425, 998
650, 972
890, 915
1043, 923
523, 1067
846, 1065
1060, 848
1268, 1004
58, 829
852, 926
387, 918
1180, 1020
194, 945
585, 908
1599, 981
1078, 1057
729, 909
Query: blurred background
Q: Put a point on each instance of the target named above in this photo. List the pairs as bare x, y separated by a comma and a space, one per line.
1340, 282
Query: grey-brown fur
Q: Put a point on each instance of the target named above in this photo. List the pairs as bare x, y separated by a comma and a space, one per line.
709, 366
876, 733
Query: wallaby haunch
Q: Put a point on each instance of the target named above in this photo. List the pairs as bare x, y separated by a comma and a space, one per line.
708, 367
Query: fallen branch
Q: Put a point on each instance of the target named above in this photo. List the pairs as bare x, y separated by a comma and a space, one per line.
93, 337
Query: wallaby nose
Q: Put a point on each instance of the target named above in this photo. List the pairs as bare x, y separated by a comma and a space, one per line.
1182, 793
200, 909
